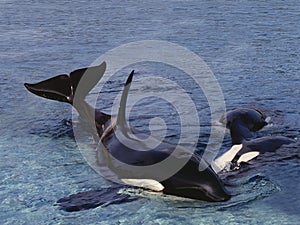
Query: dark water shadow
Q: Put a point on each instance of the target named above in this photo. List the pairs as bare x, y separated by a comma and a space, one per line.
94, 198
52, 129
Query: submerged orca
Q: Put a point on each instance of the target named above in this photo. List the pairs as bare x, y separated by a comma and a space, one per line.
123, 153
242, 123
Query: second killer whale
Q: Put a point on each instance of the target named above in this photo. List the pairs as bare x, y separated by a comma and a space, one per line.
242, 123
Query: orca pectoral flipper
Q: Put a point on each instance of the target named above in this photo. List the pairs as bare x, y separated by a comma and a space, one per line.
220, 163
247, 157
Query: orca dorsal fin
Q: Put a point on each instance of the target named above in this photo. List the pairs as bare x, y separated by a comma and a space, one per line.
121, 119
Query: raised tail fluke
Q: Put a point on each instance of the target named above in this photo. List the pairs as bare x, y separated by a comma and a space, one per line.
56, 88
83, 80
65, 87
121, 120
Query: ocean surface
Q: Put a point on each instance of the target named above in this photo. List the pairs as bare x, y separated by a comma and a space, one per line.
253, 50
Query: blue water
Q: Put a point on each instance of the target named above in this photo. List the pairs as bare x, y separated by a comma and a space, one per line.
251, 46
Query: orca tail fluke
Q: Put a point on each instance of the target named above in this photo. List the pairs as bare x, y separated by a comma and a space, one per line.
65, 87
56, 88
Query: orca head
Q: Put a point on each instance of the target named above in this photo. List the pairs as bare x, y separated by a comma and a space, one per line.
251, 119
256, 120
211, 188
197, 184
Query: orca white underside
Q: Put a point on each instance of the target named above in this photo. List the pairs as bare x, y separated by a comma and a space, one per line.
247, 156
221, 162
145, 183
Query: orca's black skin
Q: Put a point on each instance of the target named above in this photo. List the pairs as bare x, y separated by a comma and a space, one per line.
242, 122
188, 181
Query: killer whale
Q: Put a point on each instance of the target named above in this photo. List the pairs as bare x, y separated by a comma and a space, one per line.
242, 123
187, 181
